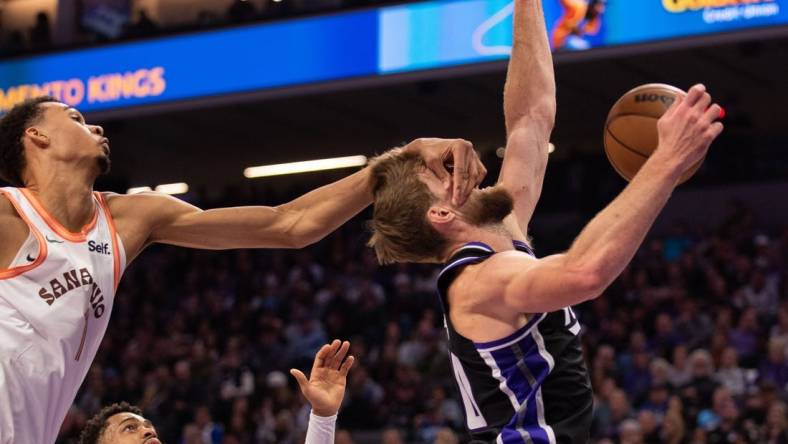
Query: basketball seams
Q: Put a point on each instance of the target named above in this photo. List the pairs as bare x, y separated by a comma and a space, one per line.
629, 148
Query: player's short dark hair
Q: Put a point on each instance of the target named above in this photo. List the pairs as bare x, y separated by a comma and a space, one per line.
96, 425
12, 128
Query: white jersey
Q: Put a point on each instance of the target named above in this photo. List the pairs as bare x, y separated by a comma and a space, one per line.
55, 302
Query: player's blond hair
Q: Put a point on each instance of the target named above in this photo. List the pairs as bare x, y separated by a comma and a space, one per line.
400, 229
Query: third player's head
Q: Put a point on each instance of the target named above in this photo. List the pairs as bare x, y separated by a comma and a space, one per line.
414, 219
40, 136
119, 424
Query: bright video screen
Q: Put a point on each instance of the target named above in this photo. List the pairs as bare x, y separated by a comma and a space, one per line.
368, 43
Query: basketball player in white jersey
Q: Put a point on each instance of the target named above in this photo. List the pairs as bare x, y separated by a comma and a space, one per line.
513, 337
64, 247
123, 423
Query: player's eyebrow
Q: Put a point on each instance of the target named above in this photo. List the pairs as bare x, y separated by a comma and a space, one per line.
130, 418
71, 109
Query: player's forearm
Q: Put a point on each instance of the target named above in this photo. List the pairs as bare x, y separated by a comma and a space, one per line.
321, 211
530, 83
608, 243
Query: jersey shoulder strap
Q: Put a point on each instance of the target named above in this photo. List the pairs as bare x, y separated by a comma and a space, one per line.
522, 246
470, 253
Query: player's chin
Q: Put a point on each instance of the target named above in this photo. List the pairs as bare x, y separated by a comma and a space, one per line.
104, 166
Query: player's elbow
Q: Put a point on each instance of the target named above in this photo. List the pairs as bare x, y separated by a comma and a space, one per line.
589, 284
538, 119
546, 111
543, 112
294, 230
302, 237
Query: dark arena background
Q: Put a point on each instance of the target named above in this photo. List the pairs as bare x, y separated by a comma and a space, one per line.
689, 345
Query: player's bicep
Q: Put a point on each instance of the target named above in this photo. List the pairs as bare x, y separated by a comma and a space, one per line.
548, 284
523, 170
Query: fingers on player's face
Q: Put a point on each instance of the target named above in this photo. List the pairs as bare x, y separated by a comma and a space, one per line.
434, 185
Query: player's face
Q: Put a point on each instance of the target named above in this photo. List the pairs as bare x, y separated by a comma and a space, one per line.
484, 206
71, 138
128, 428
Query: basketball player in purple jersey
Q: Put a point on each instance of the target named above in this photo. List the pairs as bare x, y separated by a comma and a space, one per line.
513, 337
63, 248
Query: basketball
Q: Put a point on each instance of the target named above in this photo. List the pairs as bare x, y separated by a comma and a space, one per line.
631, 128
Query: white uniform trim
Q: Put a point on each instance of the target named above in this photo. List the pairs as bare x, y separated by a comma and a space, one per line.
473, 414
539, 401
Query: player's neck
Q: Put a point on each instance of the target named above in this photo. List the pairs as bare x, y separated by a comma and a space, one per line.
496, 236
66, 196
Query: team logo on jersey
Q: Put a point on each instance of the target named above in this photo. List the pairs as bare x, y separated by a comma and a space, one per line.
99, 247
71, 280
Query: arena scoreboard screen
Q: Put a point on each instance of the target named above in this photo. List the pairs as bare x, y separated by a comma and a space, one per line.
368, 43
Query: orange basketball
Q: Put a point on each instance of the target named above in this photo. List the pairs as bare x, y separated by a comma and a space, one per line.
631, 128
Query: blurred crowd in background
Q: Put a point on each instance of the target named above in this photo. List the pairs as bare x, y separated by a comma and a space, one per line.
689, 345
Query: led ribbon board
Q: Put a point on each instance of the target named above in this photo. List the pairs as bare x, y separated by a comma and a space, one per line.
348, 45
446, 33
199, 65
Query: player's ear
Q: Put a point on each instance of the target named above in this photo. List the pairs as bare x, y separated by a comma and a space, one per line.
40, 139
440, 216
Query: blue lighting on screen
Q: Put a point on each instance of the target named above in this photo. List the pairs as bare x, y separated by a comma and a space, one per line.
383, 41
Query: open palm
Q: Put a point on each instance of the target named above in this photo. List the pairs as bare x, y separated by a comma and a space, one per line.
325, 387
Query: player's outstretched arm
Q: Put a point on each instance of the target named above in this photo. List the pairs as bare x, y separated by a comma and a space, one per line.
295, 224
529, 109
325, 389
610, 240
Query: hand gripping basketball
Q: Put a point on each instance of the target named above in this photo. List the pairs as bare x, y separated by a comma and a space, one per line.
689, 126
632, 132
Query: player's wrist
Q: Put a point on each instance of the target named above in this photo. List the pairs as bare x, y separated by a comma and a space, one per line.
324, 413
665, 164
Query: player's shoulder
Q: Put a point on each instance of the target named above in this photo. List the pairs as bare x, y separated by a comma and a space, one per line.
489, 277
14, 227
6, 208
145, 198
148, 206
135, 206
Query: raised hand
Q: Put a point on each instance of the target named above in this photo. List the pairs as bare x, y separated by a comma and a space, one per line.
455, 163
325, 387
688, 127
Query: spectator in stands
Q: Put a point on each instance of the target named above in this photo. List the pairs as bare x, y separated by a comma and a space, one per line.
775, 369
780, 330
41, 33
729, 374
629, 432
144, 26
775, 431
744, 338
723, 421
